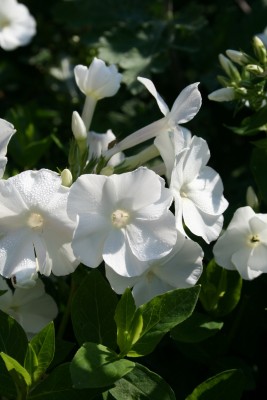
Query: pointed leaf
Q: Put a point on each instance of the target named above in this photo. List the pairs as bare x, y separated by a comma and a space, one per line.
226, 385
58, 386
43, 347
13, 339
95, 366
221, 289
142, 384
196, 328
20, 376
129, 322
161, 314
93, 311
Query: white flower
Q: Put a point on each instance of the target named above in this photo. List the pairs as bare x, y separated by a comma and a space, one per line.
98, 144
6, 132
224, 94
197, 190
183, 110
17, 26
35, 229
121, 218
32, 308
243, 246
99, 80
180, 269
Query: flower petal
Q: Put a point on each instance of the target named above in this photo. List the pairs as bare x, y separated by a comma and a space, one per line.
187, 104
151, 88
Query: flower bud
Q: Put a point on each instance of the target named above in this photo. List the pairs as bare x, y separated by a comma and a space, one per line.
66, 177
251, 198
224, 94
229, 68
238, 57
243, 91
78, 127
254, 69
259, 49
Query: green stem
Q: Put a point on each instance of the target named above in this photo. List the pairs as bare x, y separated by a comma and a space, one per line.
66, 315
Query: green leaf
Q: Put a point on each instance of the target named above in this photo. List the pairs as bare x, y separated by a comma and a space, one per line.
20, 376
196, 328
40, 352
258, 167
142, 384
2, 292
226, 385
13, 339
221, 289
129, 322
161, 314
253, 124
58, 386
7, 386
95, 366
93, 309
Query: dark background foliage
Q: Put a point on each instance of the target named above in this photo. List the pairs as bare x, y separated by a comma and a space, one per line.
174, 43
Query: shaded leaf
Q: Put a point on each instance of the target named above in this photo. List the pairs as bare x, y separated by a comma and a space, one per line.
93, 310
95, 366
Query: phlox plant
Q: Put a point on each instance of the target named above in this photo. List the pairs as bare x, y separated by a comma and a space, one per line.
130, 254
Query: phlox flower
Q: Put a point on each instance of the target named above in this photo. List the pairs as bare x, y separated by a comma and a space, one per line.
98, 144
179, 269
185, 107
121, 218
6, 132
17, 26
197, 190
35, 229
243, 246
32, 308
96, 82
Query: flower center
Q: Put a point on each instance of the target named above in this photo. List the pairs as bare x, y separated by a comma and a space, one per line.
3, 22
254, 240
35, 221
120, 218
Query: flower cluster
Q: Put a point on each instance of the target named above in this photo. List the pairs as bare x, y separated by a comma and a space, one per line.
113, 212
244, 79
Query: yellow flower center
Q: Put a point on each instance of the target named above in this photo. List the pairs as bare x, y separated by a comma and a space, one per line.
35, 221
120, 218
254, 240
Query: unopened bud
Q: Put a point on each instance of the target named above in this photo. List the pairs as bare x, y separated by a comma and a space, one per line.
224, 94
251, 198
229, 68
243, 91
238, 57
254, 69
107, 171
259, 49
78, 127
66, 177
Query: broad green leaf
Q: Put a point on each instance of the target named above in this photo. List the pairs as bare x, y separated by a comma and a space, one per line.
226, 385
93, 310
58, 386
13, 339
129, 322
258, 167
31, 361
142, 384
20, 376
161, 314
253, 124
96, 366
220, 289
41, 352
196, 328
7, 386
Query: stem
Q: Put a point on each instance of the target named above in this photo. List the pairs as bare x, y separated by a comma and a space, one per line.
88, 111
66, 315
